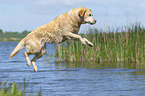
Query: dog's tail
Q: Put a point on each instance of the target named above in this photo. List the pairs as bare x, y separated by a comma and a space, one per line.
19, 47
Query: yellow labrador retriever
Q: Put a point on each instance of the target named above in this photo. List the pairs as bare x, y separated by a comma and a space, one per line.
63, 27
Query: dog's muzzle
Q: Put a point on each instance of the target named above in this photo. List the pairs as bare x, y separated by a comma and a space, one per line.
93, 22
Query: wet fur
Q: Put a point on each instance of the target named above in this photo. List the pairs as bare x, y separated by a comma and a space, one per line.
63, 27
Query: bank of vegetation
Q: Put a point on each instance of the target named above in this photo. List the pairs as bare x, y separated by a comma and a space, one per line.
125, 46
12, 36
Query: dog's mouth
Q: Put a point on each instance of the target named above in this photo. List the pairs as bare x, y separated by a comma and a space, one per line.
92, 23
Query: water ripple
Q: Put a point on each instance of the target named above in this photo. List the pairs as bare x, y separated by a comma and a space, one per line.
71, 79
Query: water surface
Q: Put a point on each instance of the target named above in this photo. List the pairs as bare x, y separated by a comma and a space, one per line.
71, 79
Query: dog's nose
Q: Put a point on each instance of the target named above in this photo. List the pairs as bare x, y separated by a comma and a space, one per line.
95, 21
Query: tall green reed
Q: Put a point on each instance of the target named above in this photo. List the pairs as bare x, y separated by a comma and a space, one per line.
128, 46
11, 89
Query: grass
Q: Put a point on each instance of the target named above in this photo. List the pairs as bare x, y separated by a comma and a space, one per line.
125, 46
13, 90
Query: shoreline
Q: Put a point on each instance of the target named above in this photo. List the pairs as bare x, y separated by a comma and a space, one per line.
10, 39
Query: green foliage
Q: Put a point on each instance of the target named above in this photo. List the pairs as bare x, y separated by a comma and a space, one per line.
1, 31
14, 90
12, 36
112, 46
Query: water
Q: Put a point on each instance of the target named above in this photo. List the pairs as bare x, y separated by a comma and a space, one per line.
71, 79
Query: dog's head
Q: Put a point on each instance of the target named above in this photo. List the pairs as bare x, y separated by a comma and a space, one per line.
86, 16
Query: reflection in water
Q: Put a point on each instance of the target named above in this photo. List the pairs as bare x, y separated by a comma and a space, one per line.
104, 65
72, 79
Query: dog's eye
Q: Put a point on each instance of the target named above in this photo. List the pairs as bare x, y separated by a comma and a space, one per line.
90, 14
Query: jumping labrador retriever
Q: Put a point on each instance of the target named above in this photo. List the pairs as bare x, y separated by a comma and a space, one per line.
63, 27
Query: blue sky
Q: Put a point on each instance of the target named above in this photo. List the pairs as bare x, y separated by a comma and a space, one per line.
19, 15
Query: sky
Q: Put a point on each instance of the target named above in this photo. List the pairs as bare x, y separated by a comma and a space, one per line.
20, 15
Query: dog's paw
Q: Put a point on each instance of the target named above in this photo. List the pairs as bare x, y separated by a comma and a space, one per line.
28, 63
34, 66
83, 42
90, 44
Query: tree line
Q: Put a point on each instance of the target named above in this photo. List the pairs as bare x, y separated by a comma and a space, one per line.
12, 36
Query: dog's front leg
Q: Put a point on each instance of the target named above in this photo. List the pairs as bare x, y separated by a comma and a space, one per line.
83, 40
75, 36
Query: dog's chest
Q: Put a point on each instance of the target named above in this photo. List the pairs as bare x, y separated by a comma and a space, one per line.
75, 30
53, 36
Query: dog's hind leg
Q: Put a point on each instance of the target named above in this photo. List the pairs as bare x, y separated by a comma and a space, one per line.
37, 56
33, 62
27, 58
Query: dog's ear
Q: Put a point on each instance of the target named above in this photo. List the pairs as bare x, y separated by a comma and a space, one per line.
82, 13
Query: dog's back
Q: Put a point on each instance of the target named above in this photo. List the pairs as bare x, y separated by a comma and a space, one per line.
60, 29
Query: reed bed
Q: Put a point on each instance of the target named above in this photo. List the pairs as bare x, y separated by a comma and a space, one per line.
11, 89
127, 46
14, 91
